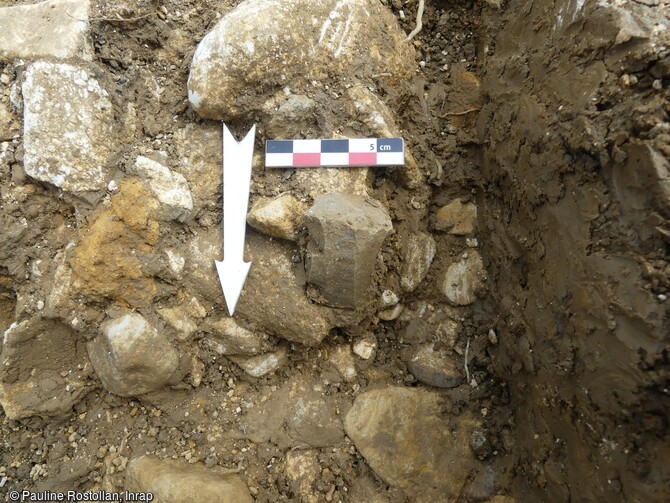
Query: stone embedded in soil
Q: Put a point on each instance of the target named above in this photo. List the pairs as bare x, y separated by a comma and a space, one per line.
435, 367
179, 319
109, 262
229, 338
67, 121
168, 186
303, 469
8, 122
262, 46
274, 298
51, 29
419, 254
42, 369
365, 347
456, 217
404, 438
278, 217
346, 233
342, 358
264, 364
131, 357
464, 279
177, 481
296, 415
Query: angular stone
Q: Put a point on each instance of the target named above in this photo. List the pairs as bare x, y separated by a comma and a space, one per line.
346, 233
419, 254
228, 338
262, 46
109, 260
67, 121
365, 347
342, 358
456, 217
180, 320
464, 279
169, 187
403, 436
41, 369
273, 299
262, 365
435, 367
278, 217
180, 482
51, 29
131, 357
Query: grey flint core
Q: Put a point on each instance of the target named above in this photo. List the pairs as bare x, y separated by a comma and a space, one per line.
346, 233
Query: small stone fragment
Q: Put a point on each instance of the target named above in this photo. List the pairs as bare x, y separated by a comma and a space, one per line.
180, 320
391, 313
229, 338
365, 347
170, 187
131, 357
457, 217
464, 279
346, 233
51, 29
179, 482
278, 217
419, 254
343, 360
435, 367
389, 299
67, 120
480, 445
262, 365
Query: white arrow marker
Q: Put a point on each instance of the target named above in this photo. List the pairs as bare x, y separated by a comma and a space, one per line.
237, 162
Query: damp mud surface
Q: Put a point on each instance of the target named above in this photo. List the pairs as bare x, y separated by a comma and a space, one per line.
513, 342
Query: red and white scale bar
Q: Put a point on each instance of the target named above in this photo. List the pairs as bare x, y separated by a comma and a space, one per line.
334, 153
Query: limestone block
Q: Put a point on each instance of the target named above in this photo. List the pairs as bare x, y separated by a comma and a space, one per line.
131, 357
262, 46
435, 367
67, 121
278, 217
418, 256
51, 29
405, 440
180, 482
262, 365
464, 279
168, 186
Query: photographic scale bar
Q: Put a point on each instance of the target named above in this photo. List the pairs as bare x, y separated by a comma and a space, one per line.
334, 153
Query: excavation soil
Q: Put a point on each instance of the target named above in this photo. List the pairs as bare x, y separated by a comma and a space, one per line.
572, 376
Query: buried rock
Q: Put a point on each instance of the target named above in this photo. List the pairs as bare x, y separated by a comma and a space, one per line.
435, 367
131, 357
404, 438
43, 369
67, 119
345, 236
262, 46
179, 482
